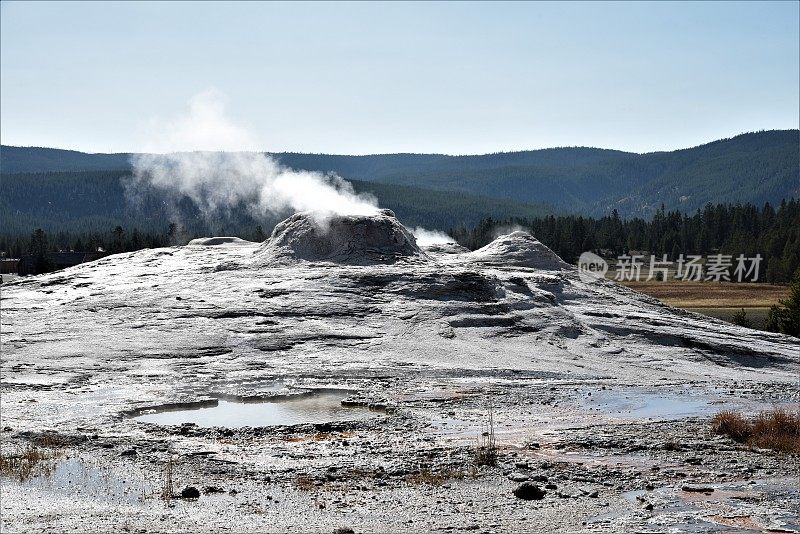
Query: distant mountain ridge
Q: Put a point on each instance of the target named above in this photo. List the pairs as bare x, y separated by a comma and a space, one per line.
754, 167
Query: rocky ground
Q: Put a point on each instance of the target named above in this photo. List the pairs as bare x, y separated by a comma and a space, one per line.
599, 398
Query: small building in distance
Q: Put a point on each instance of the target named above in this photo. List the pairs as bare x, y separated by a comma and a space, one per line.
9, 266
57, 260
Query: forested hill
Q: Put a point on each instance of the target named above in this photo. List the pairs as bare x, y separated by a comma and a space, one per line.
754, 167
95, 201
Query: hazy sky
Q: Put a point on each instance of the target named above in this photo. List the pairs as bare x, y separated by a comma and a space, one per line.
401, 77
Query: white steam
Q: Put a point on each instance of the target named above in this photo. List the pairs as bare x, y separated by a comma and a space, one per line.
220, 181
430, 237
508, 229
203, 127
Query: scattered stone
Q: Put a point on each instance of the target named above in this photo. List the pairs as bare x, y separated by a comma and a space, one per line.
190, 492
528, 491
518, 477
697, 488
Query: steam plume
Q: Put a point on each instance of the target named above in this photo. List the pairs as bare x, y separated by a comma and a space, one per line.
430, 237
219, 181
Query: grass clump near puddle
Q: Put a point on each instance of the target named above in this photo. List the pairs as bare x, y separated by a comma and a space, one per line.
434, 478
486, 446
777, 429
27, 462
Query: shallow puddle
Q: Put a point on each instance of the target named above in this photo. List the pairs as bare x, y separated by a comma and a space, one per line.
321, 406
84, 478
628, 404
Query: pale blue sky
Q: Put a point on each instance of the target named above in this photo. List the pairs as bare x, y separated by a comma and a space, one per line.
402, 77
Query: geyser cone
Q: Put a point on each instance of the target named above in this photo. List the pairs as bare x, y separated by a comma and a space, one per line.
519, 249
348, 239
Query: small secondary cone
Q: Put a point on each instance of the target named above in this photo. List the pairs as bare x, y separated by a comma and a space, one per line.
519, 249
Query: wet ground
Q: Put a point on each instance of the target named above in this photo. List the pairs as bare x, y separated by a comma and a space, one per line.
310, 406
400, 455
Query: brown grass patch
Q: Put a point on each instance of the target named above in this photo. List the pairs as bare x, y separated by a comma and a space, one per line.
27, 462
320, 436
777, 429
433, 478
486, 445
712, 294
305, 483
167, 488
53, 441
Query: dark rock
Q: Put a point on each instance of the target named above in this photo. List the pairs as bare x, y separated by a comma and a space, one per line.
697, 488
528, 491
550, 486
128, 452
539, 478
212, 489
344, 530
190, 492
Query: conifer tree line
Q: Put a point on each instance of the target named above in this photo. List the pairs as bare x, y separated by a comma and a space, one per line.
773, 232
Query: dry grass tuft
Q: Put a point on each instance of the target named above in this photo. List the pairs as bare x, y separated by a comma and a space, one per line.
167, 492
53, 441
305, 483
486, 446
27, 462
777, 429
733, 425
319, 436
433, 478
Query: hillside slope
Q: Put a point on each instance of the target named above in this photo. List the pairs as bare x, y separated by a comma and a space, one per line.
753, 167
96, 201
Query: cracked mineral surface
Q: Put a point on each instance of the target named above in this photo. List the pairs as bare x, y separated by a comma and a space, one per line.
597, 395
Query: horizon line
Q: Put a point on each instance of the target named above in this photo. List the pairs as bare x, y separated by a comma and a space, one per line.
540, 149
